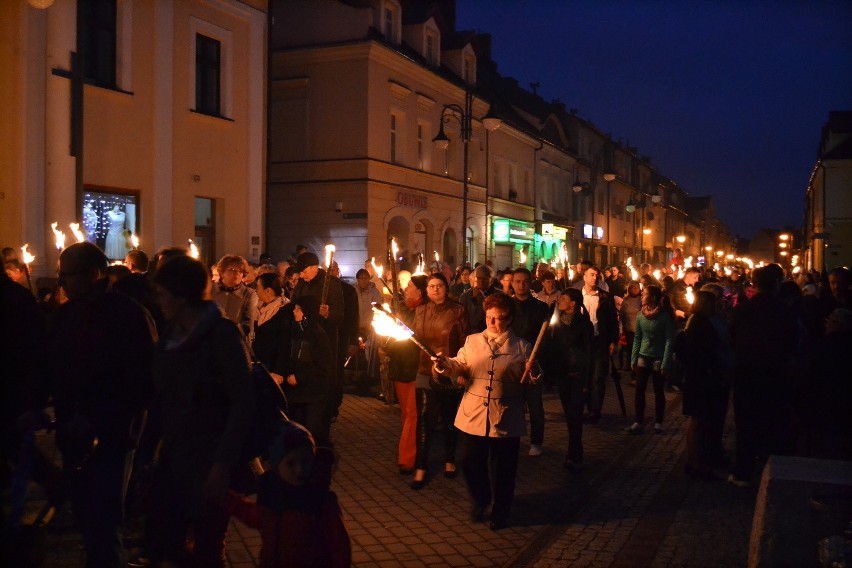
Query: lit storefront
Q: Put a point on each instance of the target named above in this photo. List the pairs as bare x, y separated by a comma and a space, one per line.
549, 242
513, 242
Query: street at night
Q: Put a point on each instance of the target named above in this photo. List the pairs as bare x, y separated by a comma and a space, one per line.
403, 283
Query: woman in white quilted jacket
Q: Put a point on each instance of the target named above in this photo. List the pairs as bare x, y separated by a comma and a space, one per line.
491, 415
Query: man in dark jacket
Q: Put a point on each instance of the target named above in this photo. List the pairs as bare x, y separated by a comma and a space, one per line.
764, 332
101, 352
332, 310
529, 314
481, 288
601, 308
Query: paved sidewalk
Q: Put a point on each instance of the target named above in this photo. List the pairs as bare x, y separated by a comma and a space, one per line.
630, 506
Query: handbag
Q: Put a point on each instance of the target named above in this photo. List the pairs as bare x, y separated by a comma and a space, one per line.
271, 411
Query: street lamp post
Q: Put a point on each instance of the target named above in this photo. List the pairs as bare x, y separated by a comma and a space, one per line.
586, 190
631, 207
463, 117
609, 177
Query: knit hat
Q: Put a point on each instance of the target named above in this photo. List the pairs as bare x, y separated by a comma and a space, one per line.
291, 436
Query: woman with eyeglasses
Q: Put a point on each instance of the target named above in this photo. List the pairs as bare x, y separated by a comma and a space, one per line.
490, 365
440, 323
237, 300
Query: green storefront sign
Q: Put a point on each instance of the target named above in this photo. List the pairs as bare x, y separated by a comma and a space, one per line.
512, 231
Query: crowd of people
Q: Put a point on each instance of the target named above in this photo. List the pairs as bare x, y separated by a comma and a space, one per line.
146, 368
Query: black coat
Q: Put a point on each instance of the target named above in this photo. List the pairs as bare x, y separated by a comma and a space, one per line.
272, 342
311, 360
705, 385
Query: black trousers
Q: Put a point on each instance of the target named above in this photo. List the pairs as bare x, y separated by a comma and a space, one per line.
572, 398
430, 405
642, 376
535, 404
490, 466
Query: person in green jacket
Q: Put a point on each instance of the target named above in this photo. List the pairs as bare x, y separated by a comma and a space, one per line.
652, 354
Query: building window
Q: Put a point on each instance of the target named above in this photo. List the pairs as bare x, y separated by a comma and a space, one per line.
99, 66
420, 146
389, 17
393, 139
208, 65
498, 180
430, 49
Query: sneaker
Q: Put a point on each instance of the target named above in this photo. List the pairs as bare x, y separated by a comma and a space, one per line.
635, 428
736, 482
658, 428
535, 450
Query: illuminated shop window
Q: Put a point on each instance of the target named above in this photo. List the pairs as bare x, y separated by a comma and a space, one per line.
108, 220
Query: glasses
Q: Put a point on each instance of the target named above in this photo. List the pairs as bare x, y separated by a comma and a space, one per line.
234, 269
435, 286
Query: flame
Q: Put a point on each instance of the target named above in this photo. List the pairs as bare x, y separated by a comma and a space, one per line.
797, 269
78, 234
58, 235
329, 255
193, 250
728, 271
688, 262
421, 267
377, 267
522, 257
563, 255
554, 319
634, 274
437, 257
394, 250
690, 295
386, 326
26, 255
570, 273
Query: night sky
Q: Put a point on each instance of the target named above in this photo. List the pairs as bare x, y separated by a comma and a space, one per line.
728, 98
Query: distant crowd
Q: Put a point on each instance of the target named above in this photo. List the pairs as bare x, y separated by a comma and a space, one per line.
144, 369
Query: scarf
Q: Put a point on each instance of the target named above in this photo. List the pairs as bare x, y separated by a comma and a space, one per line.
496, 340
650, 313
268, 311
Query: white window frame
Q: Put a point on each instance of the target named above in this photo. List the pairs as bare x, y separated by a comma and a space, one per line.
226, 72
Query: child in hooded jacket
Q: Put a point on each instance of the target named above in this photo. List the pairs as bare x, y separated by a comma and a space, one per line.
297, 514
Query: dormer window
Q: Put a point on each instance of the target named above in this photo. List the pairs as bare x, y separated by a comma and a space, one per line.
430, 49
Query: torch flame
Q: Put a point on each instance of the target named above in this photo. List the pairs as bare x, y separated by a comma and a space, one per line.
386, 326
193, 250
690, 295
394, 250
522, 257
657, 274
134, 240
437, 257
570, 273
421, 267
78, 234
329, 255
58, 235
26, 255
634, 274
377, 267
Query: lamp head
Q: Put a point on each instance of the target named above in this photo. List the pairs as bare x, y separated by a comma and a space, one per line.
441, 141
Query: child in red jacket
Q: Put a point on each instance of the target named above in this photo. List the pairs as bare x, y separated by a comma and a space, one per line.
297, 514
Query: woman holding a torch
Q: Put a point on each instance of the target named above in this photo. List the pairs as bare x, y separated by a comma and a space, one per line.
441, 324
491, 414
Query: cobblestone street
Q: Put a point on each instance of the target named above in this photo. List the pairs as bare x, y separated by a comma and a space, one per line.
630, 506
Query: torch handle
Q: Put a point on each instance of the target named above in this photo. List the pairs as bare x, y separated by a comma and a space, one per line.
534, 352
324, 295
